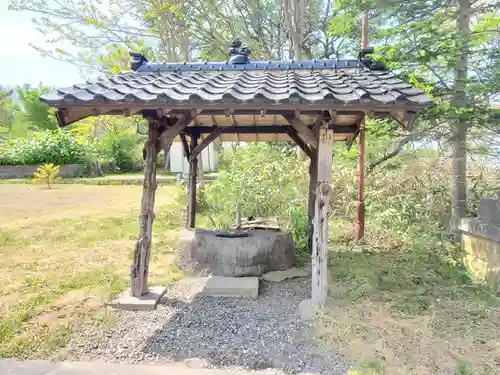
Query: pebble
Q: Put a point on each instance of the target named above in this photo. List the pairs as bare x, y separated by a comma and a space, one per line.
263, 333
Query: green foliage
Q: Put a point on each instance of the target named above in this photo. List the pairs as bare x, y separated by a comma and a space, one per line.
51, 146
47, 173
264, 179
298, 227
119, 149
35, 113
7, 108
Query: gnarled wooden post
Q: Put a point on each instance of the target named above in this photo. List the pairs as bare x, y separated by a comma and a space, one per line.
320, 222
140, 264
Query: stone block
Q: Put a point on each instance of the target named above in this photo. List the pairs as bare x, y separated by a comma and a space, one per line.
489, 210
480, 228
481, 248
255, 252
220, 286
146, 302
276, 276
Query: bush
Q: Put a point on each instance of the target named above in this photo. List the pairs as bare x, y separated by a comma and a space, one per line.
47, 173
53, 146
405, 206
267, 180
120, 151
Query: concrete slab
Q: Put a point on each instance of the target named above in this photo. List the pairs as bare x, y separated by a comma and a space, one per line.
146, 302
221, 286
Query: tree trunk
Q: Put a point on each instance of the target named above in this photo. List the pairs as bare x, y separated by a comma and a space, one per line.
459, 125
140, 265
294, 24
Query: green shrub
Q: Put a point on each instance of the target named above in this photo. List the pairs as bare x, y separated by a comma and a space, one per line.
299, 227
52, 146
263, 178
120, 151
47, 173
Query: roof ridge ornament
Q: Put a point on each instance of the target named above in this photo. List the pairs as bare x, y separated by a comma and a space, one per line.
238, 54
365, 58
137, 60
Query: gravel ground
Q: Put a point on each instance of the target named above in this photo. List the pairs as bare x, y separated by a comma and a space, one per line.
265, 333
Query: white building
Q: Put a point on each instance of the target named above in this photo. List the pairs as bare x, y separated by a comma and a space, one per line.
179, 163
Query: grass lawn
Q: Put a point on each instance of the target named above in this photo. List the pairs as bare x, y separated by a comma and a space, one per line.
64, 251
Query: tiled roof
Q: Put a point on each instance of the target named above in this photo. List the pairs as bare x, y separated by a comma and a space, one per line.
320, 82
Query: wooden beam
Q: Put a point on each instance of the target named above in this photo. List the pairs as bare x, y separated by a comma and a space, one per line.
204, 144
320, 222
292, 133
140, 264
185, 145
211, 108
168, 135
264, 129
193, 171
305, 132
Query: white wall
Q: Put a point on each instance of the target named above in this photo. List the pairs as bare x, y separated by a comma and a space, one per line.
179, 163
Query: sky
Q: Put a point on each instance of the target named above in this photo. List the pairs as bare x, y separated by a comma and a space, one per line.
20, 63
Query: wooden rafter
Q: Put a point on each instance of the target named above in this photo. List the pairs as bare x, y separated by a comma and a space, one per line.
305, 132
206, 141
264, 129
168, 135
292, 133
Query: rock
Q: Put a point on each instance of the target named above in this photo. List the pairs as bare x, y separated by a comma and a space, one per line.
203, 252
291, 273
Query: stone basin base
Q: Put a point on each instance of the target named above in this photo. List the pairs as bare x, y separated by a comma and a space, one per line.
250, 253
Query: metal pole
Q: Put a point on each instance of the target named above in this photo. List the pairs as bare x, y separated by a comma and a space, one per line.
359, 230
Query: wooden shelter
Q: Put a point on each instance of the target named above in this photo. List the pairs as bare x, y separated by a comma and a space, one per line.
312, 103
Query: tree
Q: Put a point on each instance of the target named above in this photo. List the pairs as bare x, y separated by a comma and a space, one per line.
7, 109
98, 36
438, 47
460, 122
36, 114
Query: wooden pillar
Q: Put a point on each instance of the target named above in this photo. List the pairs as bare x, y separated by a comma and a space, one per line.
320, 222
313, 176
193, 172
140, 264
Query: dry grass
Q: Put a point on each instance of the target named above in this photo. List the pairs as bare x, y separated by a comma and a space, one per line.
410, 313
65, 251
